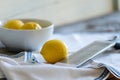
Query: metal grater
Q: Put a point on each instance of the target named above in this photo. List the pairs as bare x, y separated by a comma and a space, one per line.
88, 52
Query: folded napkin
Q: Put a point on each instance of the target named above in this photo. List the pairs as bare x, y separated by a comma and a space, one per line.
49, 72
97, 68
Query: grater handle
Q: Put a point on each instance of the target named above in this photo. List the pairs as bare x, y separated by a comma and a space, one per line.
117, 46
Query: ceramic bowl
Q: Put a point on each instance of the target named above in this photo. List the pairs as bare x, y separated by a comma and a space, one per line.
26, 40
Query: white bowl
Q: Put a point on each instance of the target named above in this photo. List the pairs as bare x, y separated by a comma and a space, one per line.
28, 40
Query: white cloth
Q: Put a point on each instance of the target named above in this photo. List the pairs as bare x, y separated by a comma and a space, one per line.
48, 72
97, 68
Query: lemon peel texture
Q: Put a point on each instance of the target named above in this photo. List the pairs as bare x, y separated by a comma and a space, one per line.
31, 26
54, 51
14, 24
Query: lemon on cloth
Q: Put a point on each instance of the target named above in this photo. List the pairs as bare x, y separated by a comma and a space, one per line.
31, 26
54, 51
14, 24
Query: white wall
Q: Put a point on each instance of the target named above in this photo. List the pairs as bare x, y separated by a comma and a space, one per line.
58, 11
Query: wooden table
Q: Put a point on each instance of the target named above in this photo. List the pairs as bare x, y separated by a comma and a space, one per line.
98, 25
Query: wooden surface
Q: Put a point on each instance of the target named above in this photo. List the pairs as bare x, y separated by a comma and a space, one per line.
112, 18
108, 23
111, 77
58, 11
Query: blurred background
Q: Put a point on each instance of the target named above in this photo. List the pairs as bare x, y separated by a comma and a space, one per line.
68, 16
82, 14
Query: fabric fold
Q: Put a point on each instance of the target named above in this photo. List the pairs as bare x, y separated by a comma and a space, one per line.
98, 68
49, 72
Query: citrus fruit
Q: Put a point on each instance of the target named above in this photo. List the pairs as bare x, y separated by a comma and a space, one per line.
54, 51
14, 24
31, 26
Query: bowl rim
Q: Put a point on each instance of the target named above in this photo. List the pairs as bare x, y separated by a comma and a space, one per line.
51, 25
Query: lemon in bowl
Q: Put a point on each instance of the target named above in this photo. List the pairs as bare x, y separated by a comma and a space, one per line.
31, 26
26, 40
13, 24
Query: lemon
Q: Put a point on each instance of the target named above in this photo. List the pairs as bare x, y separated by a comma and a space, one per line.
14, 24
31, 26
54, 51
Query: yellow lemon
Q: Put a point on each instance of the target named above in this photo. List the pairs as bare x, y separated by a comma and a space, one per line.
31, 26
14, 24
54, 51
